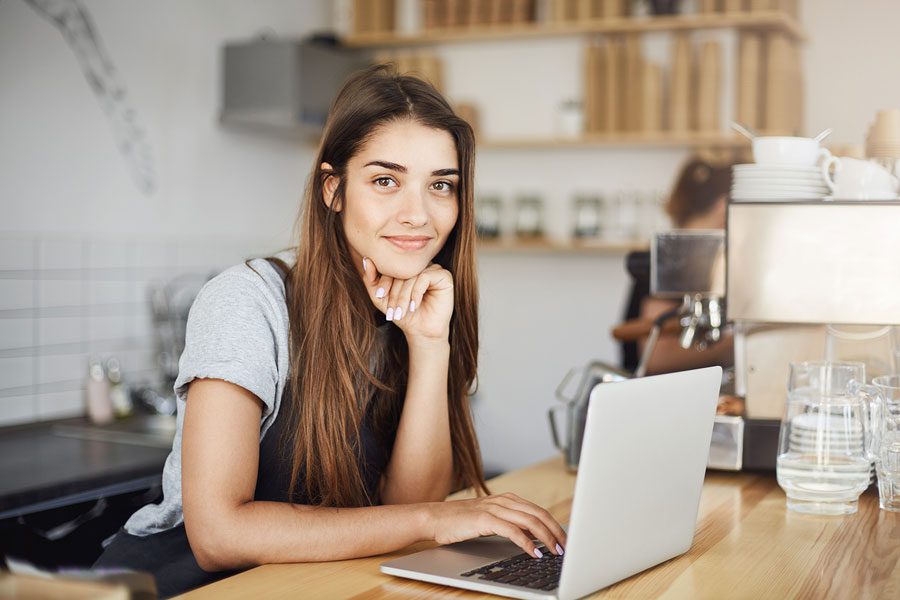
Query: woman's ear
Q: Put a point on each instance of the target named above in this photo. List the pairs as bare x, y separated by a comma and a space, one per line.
329, 186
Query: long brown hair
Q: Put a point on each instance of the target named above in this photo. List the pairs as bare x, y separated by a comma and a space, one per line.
339, 372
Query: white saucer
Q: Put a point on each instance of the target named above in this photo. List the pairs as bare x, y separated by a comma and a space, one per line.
774, 196
754, 168
803, 177
787, 187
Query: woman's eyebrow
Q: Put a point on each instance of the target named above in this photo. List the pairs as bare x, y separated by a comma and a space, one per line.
386, 165
401, 169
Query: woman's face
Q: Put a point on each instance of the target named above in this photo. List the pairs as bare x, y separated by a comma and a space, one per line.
401, 200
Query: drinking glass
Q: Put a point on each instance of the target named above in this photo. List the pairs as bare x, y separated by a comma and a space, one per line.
886, 440
823, 461
869, 344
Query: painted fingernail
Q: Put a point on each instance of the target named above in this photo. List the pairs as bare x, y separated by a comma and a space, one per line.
390, 314
559, 550
412, 306
538, 554
398, 313
365, 264
379, 293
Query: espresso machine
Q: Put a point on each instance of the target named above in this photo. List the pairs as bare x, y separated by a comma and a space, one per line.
794, 269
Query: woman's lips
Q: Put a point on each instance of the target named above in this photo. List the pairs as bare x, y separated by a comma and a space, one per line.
408, 242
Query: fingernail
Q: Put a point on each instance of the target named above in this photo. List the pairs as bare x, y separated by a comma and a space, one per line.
412, 306
365, 264
398, 313
559, 550
537, 553
390, 314
379, 293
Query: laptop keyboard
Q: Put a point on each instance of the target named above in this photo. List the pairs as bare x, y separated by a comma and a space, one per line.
523, 570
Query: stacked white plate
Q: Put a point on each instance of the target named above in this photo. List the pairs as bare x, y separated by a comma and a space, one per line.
777, 182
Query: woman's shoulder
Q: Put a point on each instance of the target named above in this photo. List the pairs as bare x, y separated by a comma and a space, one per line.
254, 281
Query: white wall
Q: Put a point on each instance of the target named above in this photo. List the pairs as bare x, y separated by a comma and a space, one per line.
61, 175
850, 65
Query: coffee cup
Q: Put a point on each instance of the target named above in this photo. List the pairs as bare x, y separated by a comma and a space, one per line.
788, 151
854, 179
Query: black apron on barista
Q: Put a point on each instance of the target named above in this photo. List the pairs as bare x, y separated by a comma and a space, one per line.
167, 555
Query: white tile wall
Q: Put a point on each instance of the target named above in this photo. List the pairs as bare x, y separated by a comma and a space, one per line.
65, 299
17, 409
15, 333
16, 253
16, 293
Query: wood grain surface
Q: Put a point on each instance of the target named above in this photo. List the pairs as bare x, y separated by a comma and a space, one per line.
747, 545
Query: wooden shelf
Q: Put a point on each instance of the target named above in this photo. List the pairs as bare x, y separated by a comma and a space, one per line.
552, 246
642, 140
768, 20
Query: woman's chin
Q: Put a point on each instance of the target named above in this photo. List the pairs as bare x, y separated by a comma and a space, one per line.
402, 269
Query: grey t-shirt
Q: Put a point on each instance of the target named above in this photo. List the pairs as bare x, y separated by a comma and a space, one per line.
237, 330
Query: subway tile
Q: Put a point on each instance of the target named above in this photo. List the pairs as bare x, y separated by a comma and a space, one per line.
60, 293
59, 330
106, 328
104, 254
61, 254
16, 253
17, 409
59, 405
62, 367
149, 255
16, 333
109, 292
16, 372
16, 293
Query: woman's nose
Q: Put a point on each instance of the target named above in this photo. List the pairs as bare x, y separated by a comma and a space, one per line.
413, 210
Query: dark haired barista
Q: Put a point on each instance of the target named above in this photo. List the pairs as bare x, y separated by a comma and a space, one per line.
698, 201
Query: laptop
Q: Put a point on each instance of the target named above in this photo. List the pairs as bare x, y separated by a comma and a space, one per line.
636, 498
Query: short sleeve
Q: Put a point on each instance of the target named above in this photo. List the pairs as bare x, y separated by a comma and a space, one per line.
231, 336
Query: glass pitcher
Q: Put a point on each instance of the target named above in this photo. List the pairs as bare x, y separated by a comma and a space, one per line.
824, 459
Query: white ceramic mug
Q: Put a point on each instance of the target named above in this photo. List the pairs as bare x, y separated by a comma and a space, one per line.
855, 179
788, 151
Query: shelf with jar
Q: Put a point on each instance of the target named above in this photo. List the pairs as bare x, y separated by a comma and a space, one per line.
614, 223
415, 22
555, 246
627, 99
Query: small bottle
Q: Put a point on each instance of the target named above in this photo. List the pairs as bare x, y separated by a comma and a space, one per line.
118, 395
99, 405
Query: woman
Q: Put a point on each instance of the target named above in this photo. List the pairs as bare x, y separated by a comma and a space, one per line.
322, 405
698, 201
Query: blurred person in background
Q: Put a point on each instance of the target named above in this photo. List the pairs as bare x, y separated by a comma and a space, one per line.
698, 201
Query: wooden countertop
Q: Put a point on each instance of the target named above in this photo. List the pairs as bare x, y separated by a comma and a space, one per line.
747, 546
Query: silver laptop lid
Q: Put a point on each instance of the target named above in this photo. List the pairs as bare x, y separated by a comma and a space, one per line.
640, 477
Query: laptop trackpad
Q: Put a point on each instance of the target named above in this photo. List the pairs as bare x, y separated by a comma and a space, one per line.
493, 546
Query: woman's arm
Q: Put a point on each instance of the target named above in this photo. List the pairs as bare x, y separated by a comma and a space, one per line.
228, 529
421, 465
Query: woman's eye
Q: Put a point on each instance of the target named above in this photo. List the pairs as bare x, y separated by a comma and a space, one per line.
442, 186
384, 182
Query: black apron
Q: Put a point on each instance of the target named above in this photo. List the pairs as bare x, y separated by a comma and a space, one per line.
167, 555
